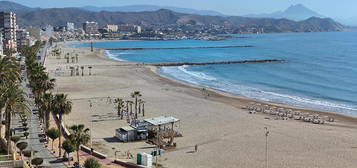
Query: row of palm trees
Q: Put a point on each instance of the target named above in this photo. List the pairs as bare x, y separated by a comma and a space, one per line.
12, 97
46, 102
125, 107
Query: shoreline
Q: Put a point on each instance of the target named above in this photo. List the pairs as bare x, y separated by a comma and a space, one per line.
216, 123
227, 95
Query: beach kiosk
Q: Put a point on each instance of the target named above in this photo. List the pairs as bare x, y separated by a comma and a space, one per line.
126, 134
161, 131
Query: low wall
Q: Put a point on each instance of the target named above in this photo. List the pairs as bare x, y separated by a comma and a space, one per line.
95, 153
127, 164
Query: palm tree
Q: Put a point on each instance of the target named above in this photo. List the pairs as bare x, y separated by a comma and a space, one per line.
46, 107
61, 106
82, 68
79, 136
136, 95
90, 70
9, 74
67, 58
77, 71
140, 103
72, 70
143, 108
120, 105
15, 103
76, 58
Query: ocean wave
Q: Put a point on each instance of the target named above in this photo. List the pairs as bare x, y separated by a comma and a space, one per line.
108, 54
202, 79
327, 105
199, 75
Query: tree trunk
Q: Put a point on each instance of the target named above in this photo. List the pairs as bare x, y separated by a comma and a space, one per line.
136, 107
143, 109
47, 122
78, 154
1, 121
60, 135
8, 127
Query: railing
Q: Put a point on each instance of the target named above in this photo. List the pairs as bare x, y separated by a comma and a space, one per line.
12, 163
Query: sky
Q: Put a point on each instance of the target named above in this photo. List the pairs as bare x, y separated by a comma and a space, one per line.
329, 8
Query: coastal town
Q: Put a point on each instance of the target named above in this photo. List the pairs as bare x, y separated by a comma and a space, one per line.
65, 106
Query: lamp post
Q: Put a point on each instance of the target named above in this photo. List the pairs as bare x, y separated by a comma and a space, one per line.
266, 146
91, 127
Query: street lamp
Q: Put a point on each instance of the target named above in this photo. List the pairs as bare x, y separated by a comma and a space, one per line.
266, 146
91, 129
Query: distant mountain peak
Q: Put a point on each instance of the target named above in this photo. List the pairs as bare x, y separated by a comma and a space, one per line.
9, 6
295, 12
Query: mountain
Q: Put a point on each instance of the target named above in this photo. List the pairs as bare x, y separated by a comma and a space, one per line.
142, 8
165, 18
295, 12
8, 6
59, 16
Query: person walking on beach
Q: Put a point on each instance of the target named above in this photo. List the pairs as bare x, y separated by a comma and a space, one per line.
196, 148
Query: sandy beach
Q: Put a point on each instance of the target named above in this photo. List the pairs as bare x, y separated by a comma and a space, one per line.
226, 135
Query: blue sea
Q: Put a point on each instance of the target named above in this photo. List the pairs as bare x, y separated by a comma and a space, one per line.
320, 72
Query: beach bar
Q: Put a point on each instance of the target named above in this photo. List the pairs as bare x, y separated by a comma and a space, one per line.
148, 129
126, 134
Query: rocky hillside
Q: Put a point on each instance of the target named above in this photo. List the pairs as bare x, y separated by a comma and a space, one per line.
163, 17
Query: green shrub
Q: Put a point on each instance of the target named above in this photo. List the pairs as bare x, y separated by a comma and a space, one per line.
27, 153
15, 139
37, 161
26, 134
68, 146
92, 163
22, 145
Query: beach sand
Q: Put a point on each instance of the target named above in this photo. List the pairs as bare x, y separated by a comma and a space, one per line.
226, 135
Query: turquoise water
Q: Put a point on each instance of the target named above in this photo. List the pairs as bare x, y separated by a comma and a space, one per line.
320, 71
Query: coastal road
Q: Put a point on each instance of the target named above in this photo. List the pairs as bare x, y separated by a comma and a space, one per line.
34, 139
34, 124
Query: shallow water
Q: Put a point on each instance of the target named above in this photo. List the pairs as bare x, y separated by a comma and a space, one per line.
320, 73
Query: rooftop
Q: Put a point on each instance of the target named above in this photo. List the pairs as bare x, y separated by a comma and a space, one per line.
127, 128
162, 120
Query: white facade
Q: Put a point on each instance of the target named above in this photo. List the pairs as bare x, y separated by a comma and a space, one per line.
9, 27
111, 28
70, 26
22, 38
90, 28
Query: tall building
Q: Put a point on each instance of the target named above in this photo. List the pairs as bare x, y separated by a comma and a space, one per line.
1, 45
90, 28
128, 28
111, 28
70, 26
22, 38
8, 26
